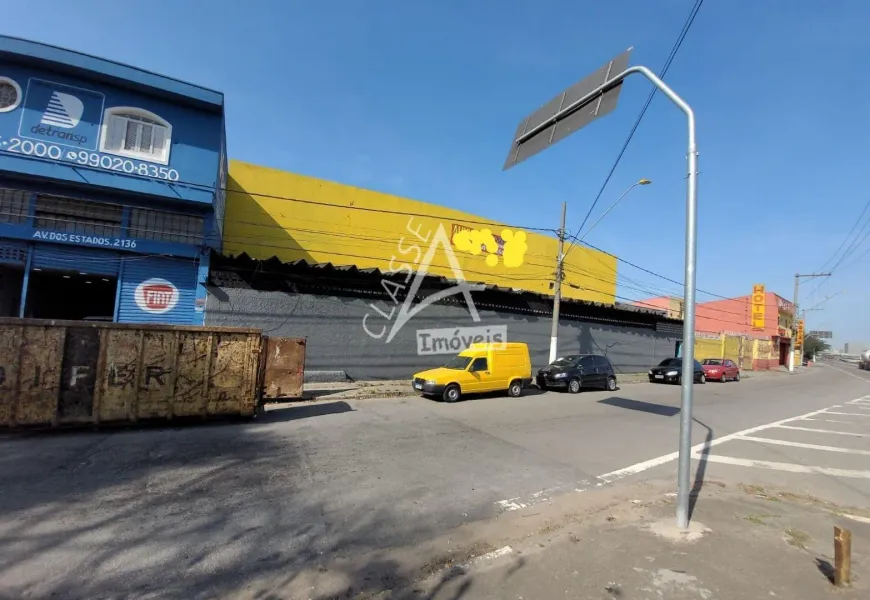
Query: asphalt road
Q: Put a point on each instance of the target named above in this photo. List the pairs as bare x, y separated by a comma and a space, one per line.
194, 512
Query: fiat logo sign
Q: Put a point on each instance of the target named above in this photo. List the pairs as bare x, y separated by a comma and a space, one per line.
156, 296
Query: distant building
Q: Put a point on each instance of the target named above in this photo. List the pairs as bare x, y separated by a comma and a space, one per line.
734, 316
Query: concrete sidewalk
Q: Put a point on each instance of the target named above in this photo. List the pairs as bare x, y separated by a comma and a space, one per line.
747, 548
747, 543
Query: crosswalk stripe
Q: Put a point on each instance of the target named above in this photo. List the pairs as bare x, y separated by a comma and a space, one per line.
832, 412
820, 430
789, 467
761, 440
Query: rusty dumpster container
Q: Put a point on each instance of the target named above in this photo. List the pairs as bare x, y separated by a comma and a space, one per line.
55, 373
283, 368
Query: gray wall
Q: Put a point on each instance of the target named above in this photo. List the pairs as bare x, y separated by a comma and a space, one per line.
337, 341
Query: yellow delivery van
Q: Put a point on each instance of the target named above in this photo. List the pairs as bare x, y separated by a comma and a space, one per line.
481, 368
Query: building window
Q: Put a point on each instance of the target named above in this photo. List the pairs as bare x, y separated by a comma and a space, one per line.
136, 133
78, 216
161, 226
13, 206
10, 94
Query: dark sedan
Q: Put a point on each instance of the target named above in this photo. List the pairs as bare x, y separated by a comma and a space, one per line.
576, 372
670, 370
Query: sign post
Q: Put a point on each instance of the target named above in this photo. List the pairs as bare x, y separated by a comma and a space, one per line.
575, 108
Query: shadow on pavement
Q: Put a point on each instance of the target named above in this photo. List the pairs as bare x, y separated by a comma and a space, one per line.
189, 513
304, 411
671, 411
639, 405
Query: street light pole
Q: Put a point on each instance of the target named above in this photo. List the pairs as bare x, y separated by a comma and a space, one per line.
797, 283
560, 261
557, 288
612, 206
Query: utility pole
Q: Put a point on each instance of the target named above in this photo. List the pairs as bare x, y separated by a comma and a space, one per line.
791, 344
557, 288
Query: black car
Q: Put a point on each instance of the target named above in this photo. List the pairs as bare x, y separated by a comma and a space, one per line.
578, 371
670, 370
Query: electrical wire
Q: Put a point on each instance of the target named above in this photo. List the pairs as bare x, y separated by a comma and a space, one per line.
682, 36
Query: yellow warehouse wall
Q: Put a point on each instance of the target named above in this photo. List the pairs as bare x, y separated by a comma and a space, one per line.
327, 222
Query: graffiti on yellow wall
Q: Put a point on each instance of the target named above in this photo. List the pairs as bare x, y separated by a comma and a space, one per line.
512, 248
272, 213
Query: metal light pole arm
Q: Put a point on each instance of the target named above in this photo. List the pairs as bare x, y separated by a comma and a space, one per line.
612, 206
690, 277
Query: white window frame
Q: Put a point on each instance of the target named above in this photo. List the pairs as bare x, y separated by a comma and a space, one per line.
122, 111
18, 91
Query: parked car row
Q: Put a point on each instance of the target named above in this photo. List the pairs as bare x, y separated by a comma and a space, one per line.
486, 367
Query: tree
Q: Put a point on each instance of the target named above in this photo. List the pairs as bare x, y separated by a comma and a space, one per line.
813, 345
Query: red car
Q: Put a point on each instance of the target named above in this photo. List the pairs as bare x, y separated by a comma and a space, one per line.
720, 369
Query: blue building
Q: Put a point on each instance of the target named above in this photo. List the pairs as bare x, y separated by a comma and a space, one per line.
112, 184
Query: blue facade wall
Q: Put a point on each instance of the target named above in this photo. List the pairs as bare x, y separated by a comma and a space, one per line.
35, 142
61, 142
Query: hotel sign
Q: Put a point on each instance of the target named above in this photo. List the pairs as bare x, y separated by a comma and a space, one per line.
758, 306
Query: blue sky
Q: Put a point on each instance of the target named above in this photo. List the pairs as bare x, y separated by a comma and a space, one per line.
421, 98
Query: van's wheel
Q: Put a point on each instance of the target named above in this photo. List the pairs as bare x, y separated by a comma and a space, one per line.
515, 390
574, 386
611, 384
451, 393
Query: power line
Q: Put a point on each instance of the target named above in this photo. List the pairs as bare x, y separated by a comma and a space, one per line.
682, 36
315, 202
645, 270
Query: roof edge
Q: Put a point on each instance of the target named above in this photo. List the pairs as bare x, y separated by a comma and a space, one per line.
109, 69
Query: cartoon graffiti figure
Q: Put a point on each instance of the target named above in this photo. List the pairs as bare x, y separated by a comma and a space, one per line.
514, 247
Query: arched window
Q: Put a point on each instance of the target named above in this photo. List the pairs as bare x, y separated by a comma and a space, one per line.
136, 133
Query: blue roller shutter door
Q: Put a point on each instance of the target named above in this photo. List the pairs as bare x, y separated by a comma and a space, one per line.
158, 290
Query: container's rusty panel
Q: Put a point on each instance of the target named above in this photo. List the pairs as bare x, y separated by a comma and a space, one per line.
157, 375
284, 368
56, 373
39, 375
79, 375
118, 388
192, 366
10, 351
233, 376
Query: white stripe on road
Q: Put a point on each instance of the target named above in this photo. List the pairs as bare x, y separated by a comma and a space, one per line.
789, 467
828, 421
832, 412
655, 462
820, 430
518, 503
749, 438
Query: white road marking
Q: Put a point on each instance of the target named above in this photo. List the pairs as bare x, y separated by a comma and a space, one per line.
655, 462
761, 440
789, 467
517, 503
844, 371
855, 518
828, 421
831, 412
820, 430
